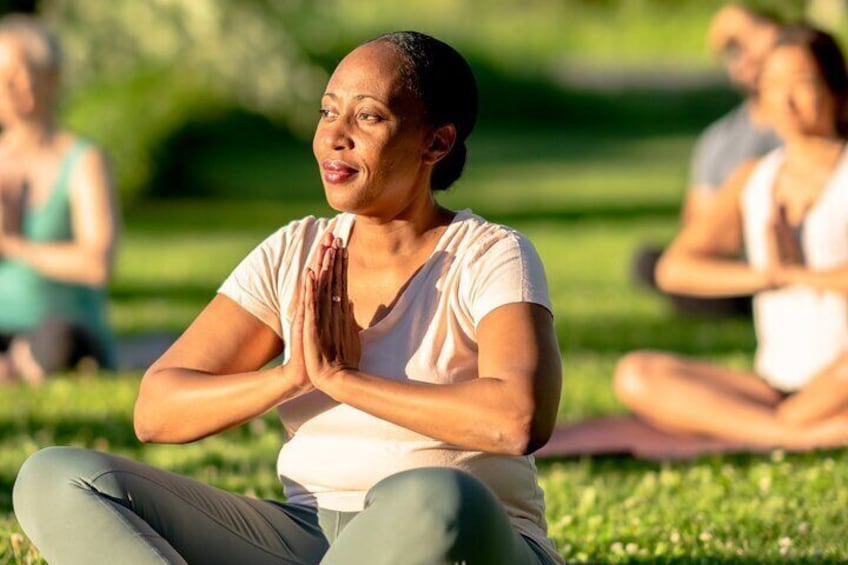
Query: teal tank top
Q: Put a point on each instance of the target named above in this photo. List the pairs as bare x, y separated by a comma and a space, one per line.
27, 297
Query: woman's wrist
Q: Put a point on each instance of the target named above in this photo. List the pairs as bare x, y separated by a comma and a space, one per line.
13, 246
332, 382
291, 381
774, 277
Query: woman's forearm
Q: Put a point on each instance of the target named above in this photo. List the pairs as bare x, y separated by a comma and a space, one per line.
177, 405
482, 414
835, 280
65, 261
710, 277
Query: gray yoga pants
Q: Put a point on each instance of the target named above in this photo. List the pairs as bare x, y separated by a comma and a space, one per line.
82, 506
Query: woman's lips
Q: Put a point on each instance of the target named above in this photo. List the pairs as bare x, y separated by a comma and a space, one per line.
337, 172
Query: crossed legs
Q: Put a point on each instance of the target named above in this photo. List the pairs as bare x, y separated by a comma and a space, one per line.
82, 506
683, 395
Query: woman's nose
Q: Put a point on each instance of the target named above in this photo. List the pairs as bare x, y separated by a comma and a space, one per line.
337, 134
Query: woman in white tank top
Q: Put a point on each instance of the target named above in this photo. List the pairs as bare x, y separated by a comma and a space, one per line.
789, 212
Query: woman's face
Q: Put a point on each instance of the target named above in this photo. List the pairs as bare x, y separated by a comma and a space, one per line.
15, 95
794, 95
371, 139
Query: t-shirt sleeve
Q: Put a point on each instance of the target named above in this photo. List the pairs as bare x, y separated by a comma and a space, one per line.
703, 173
507, 272
253, 284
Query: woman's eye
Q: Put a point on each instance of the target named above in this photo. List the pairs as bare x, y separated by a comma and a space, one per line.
369, 117
325, 113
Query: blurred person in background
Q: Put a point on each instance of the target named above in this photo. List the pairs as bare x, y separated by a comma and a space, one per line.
741, 37
421, 365
788, 212
58, 219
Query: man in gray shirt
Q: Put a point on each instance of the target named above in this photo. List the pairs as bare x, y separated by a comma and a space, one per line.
724, 145
742, 38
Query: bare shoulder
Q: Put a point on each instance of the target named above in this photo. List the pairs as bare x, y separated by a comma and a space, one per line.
91, 171
92, 158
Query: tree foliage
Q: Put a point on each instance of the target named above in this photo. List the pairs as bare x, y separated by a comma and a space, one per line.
135, 71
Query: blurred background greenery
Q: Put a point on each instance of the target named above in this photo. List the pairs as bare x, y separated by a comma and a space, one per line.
206, 109
170, 86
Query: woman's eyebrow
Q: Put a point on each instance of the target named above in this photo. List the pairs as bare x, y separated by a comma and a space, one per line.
334, 96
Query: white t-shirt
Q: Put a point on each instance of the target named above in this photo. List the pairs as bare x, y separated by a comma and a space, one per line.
336, 453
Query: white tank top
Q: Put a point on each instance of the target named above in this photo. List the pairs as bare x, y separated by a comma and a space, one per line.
800, 330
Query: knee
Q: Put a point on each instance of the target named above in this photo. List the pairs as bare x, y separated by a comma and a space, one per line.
633, 375
37, 483
444, 500
42, 469
46, 476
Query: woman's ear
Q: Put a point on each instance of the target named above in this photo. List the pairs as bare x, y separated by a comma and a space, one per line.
441, 141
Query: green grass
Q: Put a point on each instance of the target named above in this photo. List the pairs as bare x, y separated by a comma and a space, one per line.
586, 201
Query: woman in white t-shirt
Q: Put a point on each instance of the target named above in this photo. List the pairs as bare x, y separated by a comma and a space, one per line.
421, 365
790, 211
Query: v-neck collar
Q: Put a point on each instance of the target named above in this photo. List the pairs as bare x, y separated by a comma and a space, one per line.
826, 191
343, 228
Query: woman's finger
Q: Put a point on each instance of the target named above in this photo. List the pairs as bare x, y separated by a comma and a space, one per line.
324, 293
319, 257
295, 345
326, 260
338, 318
336, 287
348, 322
297, 325
309, 305
343, 275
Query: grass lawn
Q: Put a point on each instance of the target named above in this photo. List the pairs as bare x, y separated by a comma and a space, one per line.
586, 201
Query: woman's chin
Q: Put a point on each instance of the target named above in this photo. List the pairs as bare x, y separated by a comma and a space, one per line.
341, 202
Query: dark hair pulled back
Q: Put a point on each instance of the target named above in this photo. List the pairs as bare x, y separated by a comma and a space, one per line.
442, 80
830, 62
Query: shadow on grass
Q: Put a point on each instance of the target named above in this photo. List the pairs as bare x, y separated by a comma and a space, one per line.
115, 428
586, 212
508, 100
621, 334
741, 461
113, 432
723, 560
110, 431
192, 292
238, 155
212, 215
261, 217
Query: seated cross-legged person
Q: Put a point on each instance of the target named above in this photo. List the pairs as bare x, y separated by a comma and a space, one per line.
421, 370
58, 222
790, 209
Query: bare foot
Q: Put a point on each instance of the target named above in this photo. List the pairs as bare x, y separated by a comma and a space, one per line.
829, 433
27, 367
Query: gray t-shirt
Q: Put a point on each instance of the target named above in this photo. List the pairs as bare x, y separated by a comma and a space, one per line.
726, 144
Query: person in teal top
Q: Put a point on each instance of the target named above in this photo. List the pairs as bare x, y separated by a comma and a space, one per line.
58, 220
